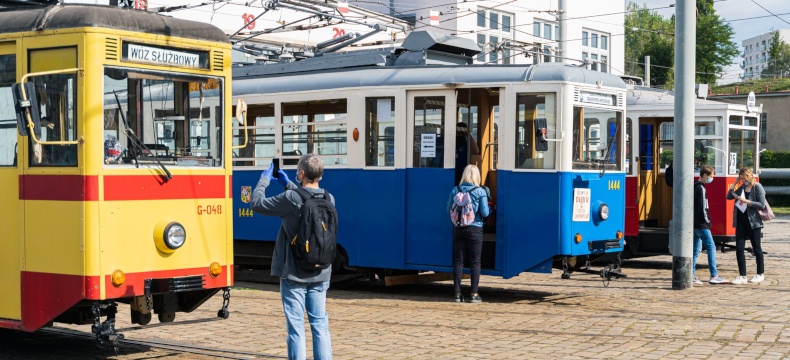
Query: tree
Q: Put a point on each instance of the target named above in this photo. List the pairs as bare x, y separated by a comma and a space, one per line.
715, 48
648, 33
779, 64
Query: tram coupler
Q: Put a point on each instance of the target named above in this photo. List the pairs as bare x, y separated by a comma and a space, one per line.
223, 312
106, 336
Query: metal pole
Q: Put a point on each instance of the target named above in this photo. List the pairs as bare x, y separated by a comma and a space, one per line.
647, 70
563, 45
683, 190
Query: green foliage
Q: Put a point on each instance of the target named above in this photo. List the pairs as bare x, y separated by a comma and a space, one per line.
779, 64
648, 33
757, 86
776, 160
665, 158
715, 48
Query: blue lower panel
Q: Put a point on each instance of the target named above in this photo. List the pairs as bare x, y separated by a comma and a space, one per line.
429, 232
370, 214
527, 219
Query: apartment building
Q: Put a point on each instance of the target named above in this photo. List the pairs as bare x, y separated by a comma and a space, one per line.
755, 53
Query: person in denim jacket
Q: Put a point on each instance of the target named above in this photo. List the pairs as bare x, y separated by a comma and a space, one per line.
299, 289
468, 240
747, 223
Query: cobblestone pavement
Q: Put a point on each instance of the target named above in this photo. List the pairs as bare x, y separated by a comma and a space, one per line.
532, 316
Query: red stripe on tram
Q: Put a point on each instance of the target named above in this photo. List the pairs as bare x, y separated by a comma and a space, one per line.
148, 187
59, 187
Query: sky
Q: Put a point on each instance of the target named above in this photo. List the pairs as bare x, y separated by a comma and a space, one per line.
744, 29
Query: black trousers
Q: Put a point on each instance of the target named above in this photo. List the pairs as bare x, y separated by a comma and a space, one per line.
743, 230
467, 241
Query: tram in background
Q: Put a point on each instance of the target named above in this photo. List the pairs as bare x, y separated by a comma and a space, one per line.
726, 136
114, 166
384, 122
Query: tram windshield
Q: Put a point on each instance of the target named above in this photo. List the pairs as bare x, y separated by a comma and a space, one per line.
596, 135
177, 118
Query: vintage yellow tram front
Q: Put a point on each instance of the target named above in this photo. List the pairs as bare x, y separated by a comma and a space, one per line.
114, 170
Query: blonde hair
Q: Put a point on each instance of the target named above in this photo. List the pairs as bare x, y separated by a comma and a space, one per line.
747, 175
471, 175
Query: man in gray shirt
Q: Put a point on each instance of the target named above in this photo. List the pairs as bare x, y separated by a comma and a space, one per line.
299, 288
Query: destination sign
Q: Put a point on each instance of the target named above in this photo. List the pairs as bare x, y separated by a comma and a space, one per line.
596, 98
164, 56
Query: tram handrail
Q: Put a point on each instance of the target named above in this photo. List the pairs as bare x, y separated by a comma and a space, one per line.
30, 123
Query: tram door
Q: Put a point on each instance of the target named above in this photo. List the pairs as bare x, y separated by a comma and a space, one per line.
430, 161
10, 308
655, 154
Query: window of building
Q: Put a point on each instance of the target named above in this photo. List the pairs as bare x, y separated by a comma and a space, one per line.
763, 128
597, 51
499, 29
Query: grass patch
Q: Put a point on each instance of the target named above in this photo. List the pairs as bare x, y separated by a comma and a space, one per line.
781, 210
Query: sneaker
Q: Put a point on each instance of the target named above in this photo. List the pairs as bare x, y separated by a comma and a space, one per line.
459, 297
758, 278
475, 299
740, 280
717, 280
697, 281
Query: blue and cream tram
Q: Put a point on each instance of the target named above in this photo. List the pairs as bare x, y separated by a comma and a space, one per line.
384, 121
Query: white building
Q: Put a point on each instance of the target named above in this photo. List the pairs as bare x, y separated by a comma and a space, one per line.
755, 53
595, 28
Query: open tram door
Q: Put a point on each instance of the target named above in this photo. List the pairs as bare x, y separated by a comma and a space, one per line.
430, 132
653, 194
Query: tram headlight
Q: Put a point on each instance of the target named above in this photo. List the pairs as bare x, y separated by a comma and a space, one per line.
603, 212
169, 235
175, 235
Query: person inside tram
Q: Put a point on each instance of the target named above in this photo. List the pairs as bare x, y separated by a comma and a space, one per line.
465, 147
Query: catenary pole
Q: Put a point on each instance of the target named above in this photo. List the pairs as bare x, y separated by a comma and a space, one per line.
683, 190
647, 70
563, 45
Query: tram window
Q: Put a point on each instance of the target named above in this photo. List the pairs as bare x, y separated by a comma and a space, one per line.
536, 121
57, 99
429, 131
704, 153
736, 120
629, 145
750, 121
178, 118
743, 143
666, 145
8, 139
260, 137
597, 135
315, 127
380, 131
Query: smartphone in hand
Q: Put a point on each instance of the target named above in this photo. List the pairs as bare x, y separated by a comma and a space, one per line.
276, 172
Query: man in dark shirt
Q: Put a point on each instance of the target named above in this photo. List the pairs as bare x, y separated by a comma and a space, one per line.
702, 226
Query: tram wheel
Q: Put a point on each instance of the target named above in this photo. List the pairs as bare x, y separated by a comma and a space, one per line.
166, 317
140, 318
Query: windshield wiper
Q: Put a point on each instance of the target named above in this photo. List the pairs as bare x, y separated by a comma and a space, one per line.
136, 142
609, 149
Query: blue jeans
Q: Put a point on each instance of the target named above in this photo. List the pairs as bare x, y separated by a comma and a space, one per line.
296, 297
703, 236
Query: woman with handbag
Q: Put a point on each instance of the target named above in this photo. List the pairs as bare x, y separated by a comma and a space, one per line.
749, 196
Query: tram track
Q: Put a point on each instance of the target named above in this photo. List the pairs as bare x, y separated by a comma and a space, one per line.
173, 345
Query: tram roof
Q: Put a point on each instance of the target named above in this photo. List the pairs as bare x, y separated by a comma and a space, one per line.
77, 15
647, 97
383, 76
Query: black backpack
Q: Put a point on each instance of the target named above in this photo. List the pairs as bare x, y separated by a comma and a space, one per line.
313, 246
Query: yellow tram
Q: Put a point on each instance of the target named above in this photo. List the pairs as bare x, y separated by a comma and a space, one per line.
114, 170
